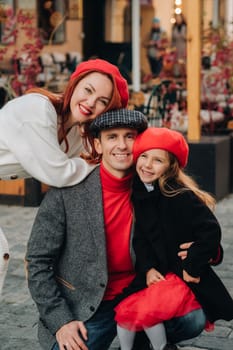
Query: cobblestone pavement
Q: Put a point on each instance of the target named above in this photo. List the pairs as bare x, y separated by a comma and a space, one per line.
18, 315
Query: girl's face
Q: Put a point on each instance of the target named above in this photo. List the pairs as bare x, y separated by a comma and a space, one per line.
152, 164
90, 98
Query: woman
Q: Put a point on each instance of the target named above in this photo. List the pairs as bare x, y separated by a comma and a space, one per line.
42, 134
155, 42
4, 258
179, 33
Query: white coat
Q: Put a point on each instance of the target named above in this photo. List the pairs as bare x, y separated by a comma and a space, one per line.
29, 144
4, 258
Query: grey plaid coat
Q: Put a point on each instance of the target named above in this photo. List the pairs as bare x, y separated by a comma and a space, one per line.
66, 256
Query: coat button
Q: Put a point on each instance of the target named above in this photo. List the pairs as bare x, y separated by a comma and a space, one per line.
102, 285
14, 177
92, 308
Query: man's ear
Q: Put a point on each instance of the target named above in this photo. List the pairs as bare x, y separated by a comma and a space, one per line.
97, 144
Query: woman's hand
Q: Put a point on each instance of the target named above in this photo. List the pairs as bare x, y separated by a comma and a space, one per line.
153, 276
68, 336
189, 278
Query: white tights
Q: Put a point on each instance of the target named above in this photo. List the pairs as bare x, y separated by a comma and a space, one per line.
156, 335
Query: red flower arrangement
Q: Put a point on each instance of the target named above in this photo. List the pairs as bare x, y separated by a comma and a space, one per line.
25, 59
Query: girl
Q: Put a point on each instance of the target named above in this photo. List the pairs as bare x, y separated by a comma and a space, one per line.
42, 134
170, 209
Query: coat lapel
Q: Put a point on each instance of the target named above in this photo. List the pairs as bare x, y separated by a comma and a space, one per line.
94, 211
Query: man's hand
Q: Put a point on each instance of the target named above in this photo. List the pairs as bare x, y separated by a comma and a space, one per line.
189, 278
68, 336
184, 252
153, 276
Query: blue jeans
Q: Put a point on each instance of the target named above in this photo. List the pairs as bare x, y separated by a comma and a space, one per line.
185, 327
101, 328
177, 329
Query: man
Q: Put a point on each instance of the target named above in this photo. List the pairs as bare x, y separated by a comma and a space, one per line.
70, 276
79, 253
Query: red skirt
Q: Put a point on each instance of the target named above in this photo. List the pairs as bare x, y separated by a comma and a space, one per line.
159, 302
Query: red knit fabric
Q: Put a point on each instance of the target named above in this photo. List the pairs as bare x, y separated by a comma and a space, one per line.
118, 216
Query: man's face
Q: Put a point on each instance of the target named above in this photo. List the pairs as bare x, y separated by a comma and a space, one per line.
116, 146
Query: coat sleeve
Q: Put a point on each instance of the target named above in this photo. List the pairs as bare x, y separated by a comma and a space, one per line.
194, 221
43, 249
34, 142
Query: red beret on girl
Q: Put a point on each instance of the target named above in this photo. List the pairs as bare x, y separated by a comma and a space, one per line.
162, 138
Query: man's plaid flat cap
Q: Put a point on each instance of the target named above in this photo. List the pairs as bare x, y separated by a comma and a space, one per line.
119, 118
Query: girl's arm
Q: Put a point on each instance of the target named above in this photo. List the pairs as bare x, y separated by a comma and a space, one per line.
194, 222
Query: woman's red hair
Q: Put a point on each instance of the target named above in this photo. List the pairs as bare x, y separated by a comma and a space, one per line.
61, 103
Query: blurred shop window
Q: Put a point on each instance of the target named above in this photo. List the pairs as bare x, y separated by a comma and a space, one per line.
118, 20
51, 20
7, 22
117, 39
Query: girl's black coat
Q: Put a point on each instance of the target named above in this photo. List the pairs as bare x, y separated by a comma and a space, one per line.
162, 224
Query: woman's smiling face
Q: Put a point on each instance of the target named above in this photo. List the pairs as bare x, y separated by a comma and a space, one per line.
90, 98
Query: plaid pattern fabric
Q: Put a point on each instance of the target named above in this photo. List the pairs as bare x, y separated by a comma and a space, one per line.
119, 118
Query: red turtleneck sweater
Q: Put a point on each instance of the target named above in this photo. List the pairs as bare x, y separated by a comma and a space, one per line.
118, 218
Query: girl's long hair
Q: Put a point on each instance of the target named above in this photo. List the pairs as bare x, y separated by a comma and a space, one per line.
61, 103
176, 175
